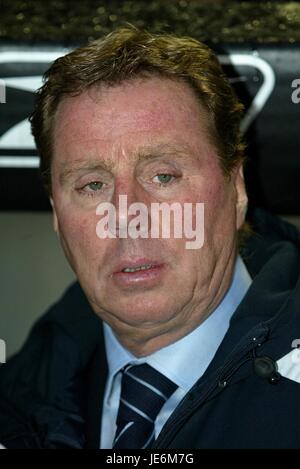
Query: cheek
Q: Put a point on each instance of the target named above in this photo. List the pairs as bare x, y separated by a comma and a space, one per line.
218, 198
78, 232
220, 219
213, 197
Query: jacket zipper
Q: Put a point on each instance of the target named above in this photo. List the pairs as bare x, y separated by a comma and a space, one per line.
247, 353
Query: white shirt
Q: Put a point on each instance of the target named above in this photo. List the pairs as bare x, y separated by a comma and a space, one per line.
196, 349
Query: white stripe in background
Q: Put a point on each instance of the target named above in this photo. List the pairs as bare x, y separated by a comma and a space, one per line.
19, 162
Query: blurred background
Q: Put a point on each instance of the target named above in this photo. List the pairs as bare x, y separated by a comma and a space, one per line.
258, 44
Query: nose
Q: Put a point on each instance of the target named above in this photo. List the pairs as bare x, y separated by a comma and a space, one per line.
132, 205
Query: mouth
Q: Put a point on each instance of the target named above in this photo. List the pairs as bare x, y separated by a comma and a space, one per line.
140, 272
138, 268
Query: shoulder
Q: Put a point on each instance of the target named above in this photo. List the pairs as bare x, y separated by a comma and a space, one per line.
44, 379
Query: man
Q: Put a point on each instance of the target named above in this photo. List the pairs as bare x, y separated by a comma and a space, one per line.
160, 346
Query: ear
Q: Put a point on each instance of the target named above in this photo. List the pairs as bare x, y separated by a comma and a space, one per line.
241, 197
55, 221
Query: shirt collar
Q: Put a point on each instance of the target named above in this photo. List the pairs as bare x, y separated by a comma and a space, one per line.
195, 349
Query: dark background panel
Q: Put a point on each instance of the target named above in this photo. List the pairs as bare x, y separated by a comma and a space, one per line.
270, 30
273, 138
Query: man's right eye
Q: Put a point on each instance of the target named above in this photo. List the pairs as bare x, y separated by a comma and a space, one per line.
91, 188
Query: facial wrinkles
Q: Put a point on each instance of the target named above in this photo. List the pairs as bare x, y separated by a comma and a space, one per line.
150, 112
125, 156
144, 113
113, 131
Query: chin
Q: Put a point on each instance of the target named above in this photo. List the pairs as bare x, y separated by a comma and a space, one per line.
153, 312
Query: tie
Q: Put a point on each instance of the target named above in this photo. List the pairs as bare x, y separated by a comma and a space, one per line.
143, 393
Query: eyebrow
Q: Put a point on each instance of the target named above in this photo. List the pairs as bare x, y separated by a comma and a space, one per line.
161, 150
143, 154
82, 165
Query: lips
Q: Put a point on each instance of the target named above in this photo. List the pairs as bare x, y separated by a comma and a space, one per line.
138, 272
136, 265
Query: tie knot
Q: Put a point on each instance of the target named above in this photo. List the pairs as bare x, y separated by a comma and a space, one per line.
144, 391
152, 379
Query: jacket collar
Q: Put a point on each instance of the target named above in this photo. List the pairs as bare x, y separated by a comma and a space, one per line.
96, 380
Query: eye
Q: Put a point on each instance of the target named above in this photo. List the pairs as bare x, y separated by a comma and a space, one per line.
164, 178
94, 186
91, 188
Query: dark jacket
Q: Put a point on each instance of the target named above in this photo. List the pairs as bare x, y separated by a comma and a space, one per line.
51, 392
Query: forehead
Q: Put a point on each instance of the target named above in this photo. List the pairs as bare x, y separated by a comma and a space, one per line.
139, 111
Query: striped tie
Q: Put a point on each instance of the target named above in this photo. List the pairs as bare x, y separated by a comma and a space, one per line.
144, 392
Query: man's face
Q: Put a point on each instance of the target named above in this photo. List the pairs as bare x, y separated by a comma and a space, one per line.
147, 139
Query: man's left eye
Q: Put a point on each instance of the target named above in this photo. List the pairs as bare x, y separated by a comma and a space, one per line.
163, 178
